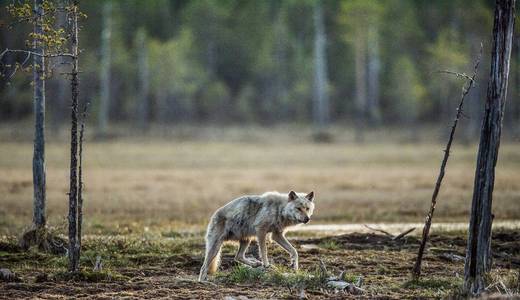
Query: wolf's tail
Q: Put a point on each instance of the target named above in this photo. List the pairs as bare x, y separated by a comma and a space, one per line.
215, 263
214, 240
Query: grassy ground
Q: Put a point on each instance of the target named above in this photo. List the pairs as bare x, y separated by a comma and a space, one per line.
147, 201
155, 266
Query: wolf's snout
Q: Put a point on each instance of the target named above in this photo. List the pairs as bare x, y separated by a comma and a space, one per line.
306, 220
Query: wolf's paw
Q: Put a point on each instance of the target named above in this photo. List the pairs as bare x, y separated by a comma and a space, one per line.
267, 266
203, 278
294, 265
253, 262
256, 263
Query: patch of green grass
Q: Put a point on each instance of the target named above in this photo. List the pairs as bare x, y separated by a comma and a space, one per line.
243, 274
90, 276
435, 283
330, 245
278, 276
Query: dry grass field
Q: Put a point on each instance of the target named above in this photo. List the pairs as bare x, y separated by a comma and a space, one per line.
166, 182
148, 199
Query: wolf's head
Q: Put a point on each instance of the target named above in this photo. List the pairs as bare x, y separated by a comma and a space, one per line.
299, 207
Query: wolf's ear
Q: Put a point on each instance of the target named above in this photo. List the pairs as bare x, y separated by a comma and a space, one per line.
310, 196
292, 196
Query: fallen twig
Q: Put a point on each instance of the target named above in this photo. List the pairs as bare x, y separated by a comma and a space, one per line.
452, 257
403, 234
379, 230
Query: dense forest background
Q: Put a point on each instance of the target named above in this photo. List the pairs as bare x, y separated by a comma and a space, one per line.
359, 63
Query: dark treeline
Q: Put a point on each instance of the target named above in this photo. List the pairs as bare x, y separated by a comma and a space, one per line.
359, 62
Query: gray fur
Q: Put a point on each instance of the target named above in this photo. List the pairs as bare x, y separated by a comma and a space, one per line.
249, 217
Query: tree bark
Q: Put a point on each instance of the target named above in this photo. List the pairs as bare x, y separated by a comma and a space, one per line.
321, 98
478, 254
104, 96
74, 250
39, 218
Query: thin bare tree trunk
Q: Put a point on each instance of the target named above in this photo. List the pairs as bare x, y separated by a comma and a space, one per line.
416, 272
478, 254
73, 191
39, 218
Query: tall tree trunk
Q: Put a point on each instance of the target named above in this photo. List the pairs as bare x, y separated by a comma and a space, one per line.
74, 249
104, 96
143, 105
516, 95
478, 254
361, 84
374, 67
39, 218
321, 97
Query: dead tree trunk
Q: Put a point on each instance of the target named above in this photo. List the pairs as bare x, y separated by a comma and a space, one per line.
39, 218
416, 272
478, 254
74, 226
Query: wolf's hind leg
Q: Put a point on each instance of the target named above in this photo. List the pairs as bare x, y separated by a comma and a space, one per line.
241, 255
212, 258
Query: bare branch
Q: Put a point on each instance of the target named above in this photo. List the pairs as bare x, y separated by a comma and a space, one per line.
416, 272
460, 75
379, 230
403, 234
35, 53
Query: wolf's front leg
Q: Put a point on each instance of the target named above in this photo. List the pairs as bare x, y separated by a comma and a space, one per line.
281, 240
261, 236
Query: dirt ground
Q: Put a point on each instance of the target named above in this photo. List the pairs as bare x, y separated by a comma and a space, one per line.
150, 268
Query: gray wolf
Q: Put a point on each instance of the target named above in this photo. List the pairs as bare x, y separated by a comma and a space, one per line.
249, 217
